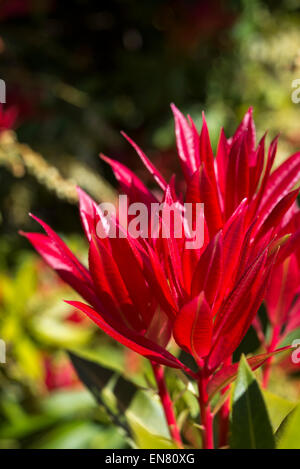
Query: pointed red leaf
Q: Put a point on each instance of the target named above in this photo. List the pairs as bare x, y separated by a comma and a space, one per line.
281, 181
156, 278
90, 213
130, 339
282, 290
200, 189
273, 220
130, 183
227, 374
67, 271
238, 311
208, 273
65, 252
206, 153
222, 162
185, 140
193, 327
256, 169
110, 286
128, 262
150, 166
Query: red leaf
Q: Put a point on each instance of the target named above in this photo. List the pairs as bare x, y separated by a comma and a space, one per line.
130, 267
237, 312
232, 183
130, 183
227, 374
232, 248
171, 244
185, 143
276, 215
156, 278
63, 266
206, 153
242, 172
293, 320
256, 169
130, 339
65, 252
90, 213
150, 166
292, 245
222, 162
193, 327
247, 126
200, 189
280, 182
208, 273
110, 286
282, 290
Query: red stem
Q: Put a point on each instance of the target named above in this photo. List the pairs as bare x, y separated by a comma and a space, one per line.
271, 348
166, 403
205, 412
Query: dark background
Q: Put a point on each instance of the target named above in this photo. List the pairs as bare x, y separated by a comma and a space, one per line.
78, 72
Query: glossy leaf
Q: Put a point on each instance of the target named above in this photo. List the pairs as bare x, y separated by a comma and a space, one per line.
96, 378
251, 427
278, 408
193, 327
290, 436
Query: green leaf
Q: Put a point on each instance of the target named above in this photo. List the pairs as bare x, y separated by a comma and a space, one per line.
251, 427
146, 408
145, 439
56, 333
148, 423
65, 403
69, 435
99, 379
108, 438
140, 412
278, 408
290, 436
96, 378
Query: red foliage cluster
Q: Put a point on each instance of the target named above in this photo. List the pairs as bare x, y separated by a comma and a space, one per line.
142, 292
205, 298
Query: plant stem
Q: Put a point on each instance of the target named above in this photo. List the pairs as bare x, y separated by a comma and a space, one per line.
166, 403
205, 412
271, 348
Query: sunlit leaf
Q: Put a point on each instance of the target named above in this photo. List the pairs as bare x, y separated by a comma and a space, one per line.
278, 408
145, 439
251, 427
290, 436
